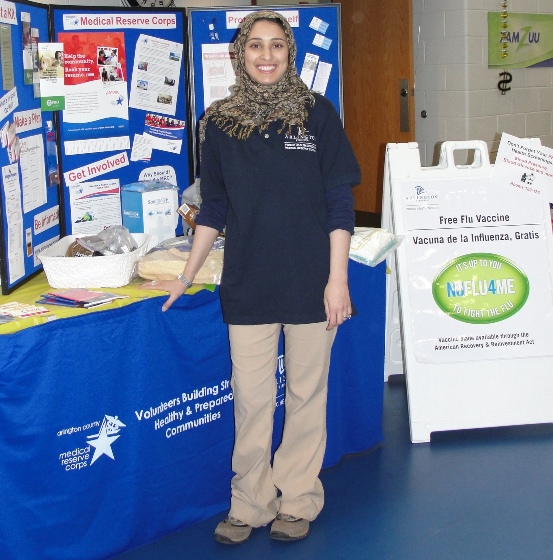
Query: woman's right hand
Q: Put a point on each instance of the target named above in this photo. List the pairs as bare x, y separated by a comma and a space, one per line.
203, 241
175, 289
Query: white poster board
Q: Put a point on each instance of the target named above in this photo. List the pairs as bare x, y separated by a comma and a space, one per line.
475, 293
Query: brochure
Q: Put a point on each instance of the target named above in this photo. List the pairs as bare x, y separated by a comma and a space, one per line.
21, 310
79, 298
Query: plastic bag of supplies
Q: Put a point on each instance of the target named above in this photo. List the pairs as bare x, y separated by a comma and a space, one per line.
371, 246
167, 260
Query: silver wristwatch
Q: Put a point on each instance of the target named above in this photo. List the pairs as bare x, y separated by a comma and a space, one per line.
186, 282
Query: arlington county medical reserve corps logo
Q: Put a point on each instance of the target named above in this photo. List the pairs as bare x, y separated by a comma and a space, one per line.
80, 457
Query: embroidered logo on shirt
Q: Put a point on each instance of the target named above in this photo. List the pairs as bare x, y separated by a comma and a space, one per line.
307, 142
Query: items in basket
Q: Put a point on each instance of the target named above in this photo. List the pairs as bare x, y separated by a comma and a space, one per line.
114, 240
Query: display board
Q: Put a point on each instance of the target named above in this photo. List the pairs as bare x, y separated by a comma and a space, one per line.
29, 195
125, 116
474, 293
317, 31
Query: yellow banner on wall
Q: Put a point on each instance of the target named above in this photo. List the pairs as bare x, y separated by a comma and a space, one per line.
528, 39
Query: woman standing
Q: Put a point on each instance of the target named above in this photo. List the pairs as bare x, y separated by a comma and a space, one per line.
276, 171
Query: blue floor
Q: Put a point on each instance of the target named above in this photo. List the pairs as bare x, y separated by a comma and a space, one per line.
472, 495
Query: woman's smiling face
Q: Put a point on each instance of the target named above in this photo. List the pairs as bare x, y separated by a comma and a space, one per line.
266, 53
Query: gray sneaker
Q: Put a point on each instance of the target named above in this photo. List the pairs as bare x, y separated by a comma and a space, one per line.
232, 531
289, 528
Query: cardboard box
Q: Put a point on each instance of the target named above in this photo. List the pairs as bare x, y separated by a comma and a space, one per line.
150, 207
189, 212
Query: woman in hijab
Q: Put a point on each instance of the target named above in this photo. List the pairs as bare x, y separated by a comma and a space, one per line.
276, 173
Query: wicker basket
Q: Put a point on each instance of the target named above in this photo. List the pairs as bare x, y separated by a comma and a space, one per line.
111, 271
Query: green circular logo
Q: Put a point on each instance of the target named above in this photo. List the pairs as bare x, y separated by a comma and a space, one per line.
480, 288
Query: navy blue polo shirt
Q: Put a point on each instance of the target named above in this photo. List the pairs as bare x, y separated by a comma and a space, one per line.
272, 188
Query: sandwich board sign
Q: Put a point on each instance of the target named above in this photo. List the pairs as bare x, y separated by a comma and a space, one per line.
474, 293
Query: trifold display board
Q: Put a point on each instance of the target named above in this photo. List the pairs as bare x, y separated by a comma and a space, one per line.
474, 293
125, 116
317, 32
29, 195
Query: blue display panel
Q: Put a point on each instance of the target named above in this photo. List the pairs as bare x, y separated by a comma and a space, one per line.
125, 114
317, 31
29, 192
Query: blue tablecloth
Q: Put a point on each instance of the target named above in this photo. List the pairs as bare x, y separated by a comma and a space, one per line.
117, 427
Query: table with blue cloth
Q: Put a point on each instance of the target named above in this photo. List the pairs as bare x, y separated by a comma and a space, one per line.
117, 425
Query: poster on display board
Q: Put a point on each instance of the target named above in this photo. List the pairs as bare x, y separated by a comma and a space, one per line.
29, 174
211, 31
125, 117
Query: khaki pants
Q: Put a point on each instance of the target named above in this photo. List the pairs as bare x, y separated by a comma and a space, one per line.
297, 462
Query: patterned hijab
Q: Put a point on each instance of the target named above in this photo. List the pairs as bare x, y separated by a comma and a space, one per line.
254, 106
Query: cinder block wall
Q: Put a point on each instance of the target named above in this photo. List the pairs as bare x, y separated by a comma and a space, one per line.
458, 91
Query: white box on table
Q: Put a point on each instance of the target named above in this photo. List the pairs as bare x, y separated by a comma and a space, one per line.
150, 207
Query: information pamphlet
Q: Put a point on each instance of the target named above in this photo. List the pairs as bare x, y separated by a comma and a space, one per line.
79, 298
